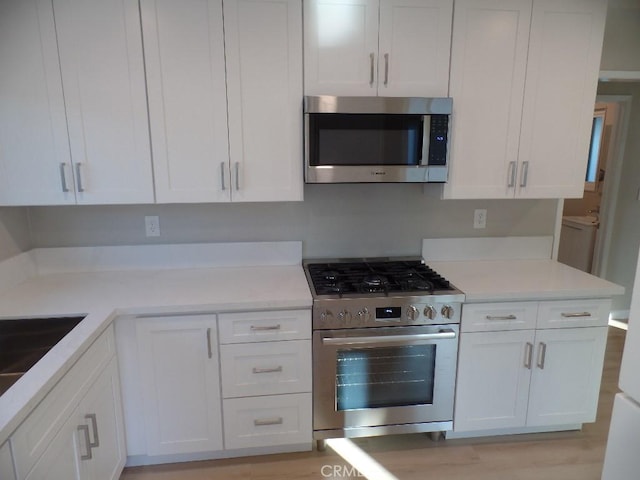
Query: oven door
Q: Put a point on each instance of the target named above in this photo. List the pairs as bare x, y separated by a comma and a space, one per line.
388, 376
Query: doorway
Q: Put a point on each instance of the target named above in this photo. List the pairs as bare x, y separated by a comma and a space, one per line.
587, 222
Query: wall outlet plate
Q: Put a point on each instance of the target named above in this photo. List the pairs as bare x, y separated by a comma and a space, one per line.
480, 218
152, 226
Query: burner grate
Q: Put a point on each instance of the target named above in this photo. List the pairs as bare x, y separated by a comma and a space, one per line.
375, 277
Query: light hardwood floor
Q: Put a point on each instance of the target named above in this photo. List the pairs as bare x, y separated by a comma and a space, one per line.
549, 456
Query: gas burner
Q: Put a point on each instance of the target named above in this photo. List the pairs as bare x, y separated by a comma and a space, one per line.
417, 284
376, 281
330, 275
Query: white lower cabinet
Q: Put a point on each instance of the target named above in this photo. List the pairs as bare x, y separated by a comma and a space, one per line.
266, 382
208, 385
264, 421
528, 377
178, 360
77, 431
90, 444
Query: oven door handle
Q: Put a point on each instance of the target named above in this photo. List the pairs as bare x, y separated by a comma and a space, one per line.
386, 339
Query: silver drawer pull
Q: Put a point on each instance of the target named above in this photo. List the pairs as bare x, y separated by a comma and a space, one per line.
542, 355
267, 370
575, 315
528, 355
87, 442
94, 427
268, 421
63, 178
79, 178
255, 328
499, 317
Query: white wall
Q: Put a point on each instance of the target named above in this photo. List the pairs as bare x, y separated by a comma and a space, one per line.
334, 220
621, 48
14, 232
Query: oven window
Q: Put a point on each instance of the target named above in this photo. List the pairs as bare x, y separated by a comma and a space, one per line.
385, 377
365, 139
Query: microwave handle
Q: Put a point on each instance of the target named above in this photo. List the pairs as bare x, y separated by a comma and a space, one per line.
426, 138
386, 339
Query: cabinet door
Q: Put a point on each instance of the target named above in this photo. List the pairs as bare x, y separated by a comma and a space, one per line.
566, 377
62, 458
34, 146
180, 384
102, 68
263, 47
341, 47
493, 380
562, 78
6, 462
101, 412
184, 58
488, 67
415, 45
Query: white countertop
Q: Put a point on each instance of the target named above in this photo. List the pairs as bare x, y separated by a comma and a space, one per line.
105, 295
512, 280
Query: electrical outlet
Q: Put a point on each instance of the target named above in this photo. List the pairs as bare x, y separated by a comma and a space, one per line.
480, 218
152, 226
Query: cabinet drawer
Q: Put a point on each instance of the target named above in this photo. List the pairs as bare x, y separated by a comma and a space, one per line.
484, 317
264, 326
574, 313
266, 368
267, 421
33, 436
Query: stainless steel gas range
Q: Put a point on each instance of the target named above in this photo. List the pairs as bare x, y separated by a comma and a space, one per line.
385, 343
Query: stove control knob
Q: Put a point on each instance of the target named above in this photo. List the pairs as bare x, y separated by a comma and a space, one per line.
326, 317
413, 313
447, 311
430, 312
364, 315
345, 316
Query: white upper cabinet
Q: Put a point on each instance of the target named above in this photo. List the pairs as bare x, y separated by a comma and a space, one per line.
263, 48
523, 78
34, 144
73, 110
225, 99
377, 47
184, 55
562, 78
100, 48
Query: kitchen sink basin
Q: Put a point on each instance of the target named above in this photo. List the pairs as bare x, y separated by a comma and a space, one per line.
25, 341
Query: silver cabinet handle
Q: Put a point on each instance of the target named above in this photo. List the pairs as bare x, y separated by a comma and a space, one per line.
94, 427
383, 339
528, 355
79, 178
209, 351
87, 442
255, 328
63, 177
512, 175
267, 370
542, 354
499, 317
372, 58
268, 421
386, 69
224, 187
524, 174
575, 315
237, 175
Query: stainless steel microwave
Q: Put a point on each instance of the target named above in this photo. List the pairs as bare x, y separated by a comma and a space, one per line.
376, 139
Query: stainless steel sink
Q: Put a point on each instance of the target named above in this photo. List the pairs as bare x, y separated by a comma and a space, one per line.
25, 341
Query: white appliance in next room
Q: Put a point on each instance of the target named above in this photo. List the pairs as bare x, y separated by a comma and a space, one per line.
622, 458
